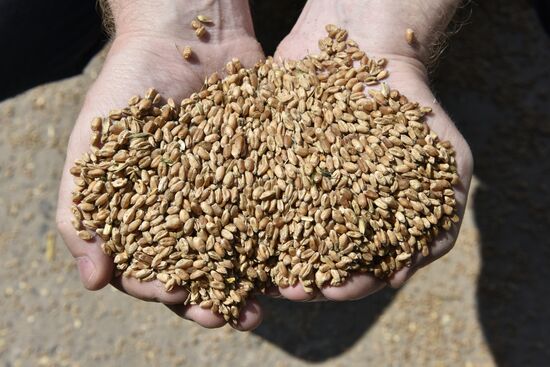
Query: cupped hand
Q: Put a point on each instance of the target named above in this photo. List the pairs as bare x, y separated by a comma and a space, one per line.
143, 55
379, 29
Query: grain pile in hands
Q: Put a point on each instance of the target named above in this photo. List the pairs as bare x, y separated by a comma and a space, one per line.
273, 175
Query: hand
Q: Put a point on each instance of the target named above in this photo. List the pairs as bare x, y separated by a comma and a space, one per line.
378, 26
143, 55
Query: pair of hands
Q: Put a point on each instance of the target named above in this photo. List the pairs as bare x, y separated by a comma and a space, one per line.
143, 55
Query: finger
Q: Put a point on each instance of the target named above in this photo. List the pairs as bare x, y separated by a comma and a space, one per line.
441, 246
443, 243
399, 278
318, 297
272, 292
95, 268
357, 286
251, 316
152, 291
297, 293
201, 316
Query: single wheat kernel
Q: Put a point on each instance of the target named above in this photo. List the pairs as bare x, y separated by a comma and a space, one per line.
204, 19
195, 24
410, 36
200, 32
187, 52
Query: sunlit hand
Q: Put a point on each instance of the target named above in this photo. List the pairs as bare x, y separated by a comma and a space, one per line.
378, 27
143, 55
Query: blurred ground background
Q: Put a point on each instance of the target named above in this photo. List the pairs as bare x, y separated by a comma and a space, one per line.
484, 304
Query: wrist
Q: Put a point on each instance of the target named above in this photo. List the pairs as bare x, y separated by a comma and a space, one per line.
381, 24
172, 18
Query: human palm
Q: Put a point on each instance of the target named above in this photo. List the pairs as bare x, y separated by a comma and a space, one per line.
133, 65
408, 75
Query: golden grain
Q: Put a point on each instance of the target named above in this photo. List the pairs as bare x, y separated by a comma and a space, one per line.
274, 175
409, 36
187, 52
204, 19
200, 32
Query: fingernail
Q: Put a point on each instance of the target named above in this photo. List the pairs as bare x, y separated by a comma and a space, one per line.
86, 268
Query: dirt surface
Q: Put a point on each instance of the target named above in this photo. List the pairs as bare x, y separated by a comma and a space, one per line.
484, 304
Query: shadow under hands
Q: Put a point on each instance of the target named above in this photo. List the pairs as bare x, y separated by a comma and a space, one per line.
317, 331
507, 124
511, 212
513, 218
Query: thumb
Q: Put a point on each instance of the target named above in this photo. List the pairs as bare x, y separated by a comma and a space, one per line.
95, 267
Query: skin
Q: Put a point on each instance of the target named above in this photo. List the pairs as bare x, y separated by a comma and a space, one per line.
383, 35
143, 55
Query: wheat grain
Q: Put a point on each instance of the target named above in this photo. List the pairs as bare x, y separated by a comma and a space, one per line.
273, 175
410, 36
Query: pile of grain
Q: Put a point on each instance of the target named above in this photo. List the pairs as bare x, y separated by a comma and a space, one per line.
277, 174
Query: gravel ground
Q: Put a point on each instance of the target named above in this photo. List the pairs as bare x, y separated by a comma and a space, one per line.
484, 304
